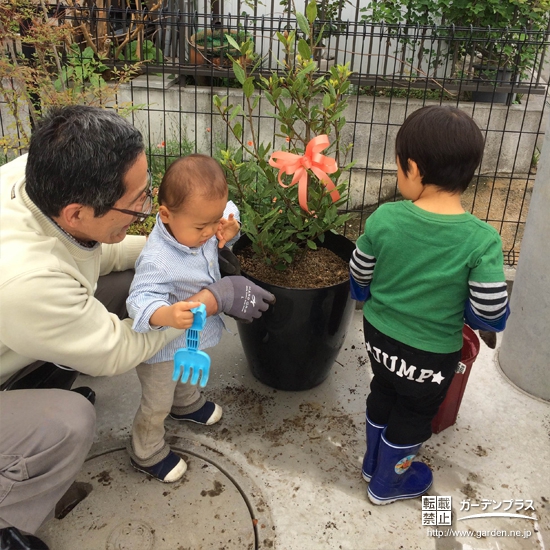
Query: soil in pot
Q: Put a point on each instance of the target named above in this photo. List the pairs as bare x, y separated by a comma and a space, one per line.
316, 269
294, 344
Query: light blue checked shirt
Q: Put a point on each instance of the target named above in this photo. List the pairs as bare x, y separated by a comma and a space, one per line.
168, 272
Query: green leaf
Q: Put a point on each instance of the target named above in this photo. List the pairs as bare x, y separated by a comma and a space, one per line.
311, 11
302, 23
304, 49
240, 74
311, 245
232, 42
281, 37
88, 53
238, 129
237, 110
248, 86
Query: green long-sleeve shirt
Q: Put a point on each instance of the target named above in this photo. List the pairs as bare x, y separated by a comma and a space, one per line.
423, 263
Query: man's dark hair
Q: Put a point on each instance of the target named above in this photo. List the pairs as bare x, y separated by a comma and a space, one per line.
80, 154
446, 144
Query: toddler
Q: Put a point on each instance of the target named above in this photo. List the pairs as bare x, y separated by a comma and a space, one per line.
424, 266
179, 259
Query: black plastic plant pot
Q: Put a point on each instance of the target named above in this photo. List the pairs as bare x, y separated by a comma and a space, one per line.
496, 76
295, 343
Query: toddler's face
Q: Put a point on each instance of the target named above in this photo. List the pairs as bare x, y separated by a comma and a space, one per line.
196, 222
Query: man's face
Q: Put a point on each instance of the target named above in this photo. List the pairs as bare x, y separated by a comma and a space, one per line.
112, 226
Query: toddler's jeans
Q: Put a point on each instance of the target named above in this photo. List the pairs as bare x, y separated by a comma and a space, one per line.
160, 396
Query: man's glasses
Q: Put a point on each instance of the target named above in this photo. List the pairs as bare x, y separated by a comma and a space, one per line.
147, 207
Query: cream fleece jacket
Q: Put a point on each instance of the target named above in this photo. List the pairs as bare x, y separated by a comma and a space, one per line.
47, 281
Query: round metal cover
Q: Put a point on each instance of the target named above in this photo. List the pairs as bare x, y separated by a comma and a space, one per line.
127, 510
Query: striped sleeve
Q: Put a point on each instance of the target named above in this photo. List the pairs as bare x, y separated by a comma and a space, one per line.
488, 300
361, 267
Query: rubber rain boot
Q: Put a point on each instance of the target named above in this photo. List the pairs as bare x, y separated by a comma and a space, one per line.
374, 432
396, 476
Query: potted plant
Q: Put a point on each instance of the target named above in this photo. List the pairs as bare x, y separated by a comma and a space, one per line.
213, 46
504, 41
507, 40
289, 190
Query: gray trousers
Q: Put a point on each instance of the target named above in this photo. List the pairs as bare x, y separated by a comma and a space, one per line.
45, 435
160, 395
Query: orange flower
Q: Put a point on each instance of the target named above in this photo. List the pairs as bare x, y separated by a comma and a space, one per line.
287, 139
250, 143
161, 145
274, 199
208, 129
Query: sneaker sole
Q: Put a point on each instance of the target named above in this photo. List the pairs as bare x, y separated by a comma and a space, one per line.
182, 464
216, 416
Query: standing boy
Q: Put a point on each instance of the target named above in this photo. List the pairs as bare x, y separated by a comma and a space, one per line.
179, 259
427, 265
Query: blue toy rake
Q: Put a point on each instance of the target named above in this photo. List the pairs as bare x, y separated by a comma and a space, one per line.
190, 359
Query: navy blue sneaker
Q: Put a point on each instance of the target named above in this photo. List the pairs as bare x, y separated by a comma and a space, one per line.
208, 414
168, 470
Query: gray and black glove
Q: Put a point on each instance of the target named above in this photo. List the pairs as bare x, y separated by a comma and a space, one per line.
228, 262
241, 298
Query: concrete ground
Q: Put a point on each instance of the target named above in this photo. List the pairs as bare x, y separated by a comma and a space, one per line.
282, 469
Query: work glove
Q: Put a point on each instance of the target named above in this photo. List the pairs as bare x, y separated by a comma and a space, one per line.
241, 298
228, 262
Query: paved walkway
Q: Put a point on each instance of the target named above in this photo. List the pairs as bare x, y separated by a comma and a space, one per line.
282, 470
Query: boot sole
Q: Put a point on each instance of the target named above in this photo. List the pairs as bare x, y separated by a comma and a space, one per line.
381, 502
366, 477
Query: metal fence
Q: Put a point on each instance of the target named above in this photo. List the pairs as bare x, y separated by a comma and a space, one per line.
497, 77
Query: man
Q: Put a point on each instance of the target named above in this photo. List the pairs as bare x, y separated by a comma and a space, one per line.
65, 209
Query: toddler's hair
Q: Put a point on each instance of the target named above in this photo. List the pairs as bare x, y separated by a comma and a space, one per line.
446, 144
192, 175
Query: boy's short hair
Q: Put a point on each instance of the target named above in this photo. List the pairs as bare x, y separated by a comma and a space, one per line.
446, 144
192, 175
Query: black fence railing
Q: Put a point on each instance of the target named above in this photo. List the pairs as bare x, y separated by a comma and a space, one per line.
180, 60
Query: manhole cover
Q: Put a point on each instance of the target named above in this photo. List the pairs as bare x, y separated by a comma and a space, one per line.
127, 510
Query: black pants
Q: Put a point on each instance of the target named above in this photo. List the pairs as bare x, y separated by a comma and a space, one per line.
408, 386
